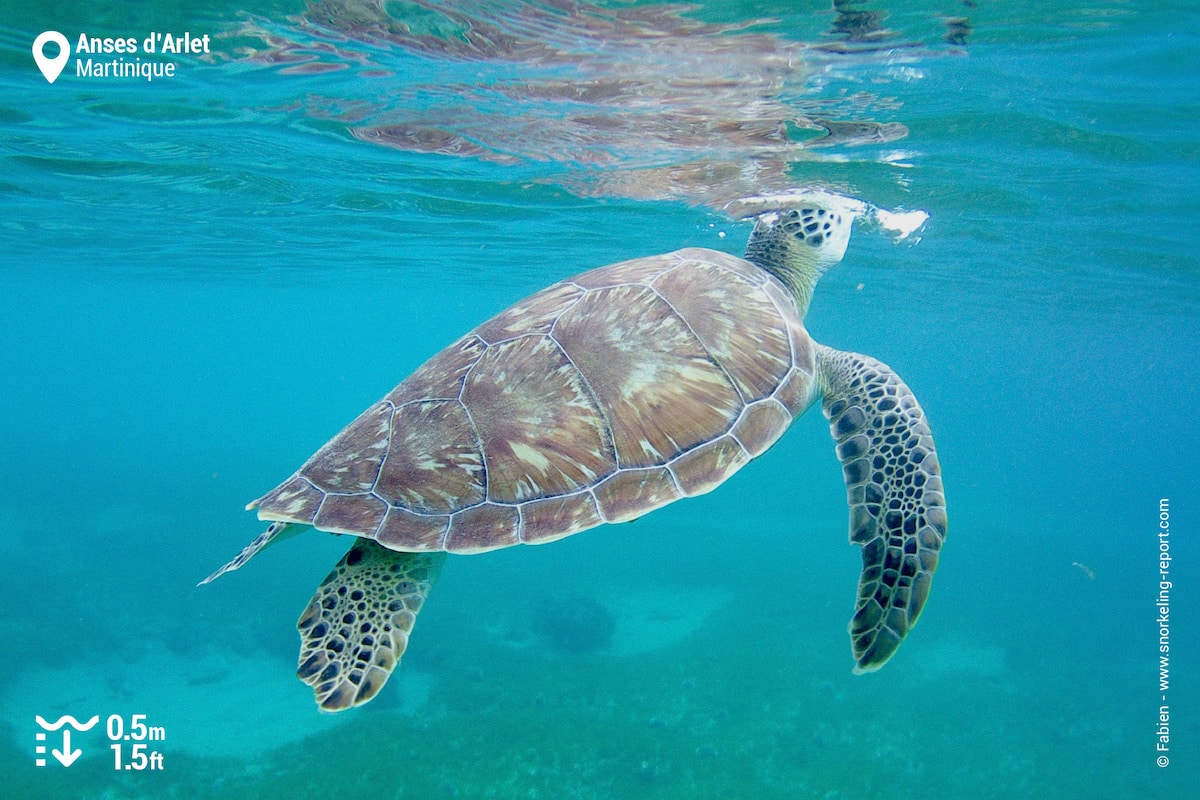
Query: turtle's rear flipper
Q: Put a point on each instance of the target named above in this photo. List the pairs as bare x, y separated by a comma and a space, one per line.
274, 532
356, 626
894, 488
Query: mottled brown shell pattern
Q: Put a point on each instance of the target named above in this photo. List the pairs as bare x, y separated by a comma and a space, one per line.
595, 400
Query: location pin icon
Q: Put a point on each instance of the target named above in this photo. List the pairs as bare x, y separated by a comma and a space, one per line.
51, 67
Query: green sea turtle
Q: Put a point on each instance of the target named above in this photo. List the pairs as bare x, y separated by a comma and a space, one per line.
598, 400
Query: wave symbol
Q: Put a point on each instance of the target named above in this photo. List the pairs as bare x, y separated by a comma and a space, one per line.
67, 718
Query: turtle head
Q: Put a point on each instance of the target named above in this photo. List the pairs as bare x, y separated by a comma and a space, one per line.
799, 245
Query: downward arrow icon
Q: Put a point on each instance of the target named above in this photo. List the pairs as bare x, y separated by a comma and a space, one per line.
65, 756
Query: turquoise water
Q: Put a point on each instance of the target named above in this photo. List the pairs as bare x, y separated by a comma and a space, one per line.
203, 277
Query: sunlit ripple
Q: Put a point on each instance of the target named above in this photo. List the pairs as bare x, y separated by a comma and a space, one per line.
643, 103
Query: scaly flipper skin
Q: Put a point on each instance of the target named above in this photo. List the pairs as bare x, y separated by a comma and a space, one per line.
273, 532
357, 624
894, 488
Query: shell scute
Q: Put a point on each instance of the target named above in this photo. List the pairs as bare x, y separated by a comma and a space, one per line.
434, 464
534, 314
349, 463
404, 530
555, 517
541, 431
635, 271
660, 390
295, 500
761, 425
752, 346
706, 467
442, 375
631, 493
350, 513
483, 527
795, 391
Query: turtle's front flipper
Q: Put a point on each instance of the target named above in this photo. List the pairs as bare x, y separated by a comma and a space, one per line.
894, 488
356, 626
